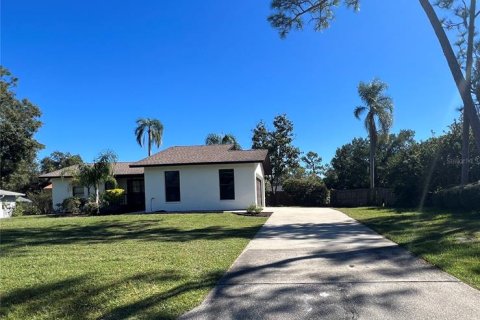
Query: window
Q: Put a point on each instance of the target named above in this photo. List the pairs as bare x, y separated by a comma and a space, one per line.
78, 192
136, 186
227, 184
172, 186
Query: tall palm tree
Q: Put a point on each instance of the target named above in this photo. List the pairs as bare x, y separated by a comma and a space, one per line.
379, 108
215, 138
153, 129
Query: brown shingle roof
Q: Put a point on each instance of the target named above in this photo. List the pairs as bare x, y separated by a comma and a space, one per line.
119, 169
203, 155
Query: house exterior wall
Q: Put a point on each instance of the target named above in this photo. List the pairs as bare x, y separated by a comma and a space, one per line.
62, 189
7, 205
259, 173
200, 188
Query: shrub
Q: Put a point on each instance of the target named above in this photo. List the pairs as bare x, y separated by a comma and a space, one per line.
258, 210
467, 197
309, 191
90, 208
71, 205
25, 209
19, 210
42, 201
111, 183
113, 197
251, 208
254, 209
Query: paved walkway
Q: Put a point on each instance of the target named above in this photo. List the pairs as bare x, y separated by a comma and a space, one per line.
320, 264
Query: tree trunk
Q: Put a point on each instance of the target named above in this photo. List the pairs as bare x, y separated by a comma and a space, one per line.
149, 142
465, 150
97, 198
372, 163
97, 195
464, 90
468, 79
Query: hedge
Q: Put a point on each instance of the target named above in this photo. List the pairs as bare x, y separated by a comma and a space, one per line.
309, 192
467, 197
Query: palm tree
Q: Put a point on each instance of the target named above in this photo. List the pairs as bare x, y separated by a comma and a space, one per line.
215, 138
94, 174
153, 129
379, 108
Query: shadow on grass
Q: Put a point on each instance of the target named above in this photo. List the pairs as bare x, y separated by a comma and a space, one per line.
83, 297
448, 239
106, 232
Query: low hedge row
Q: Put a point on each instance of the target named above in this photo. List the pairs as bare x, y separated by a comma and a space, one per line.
467, 197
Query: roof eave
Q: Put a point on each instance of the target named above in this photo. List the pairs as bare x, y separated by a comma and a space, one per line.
193, 163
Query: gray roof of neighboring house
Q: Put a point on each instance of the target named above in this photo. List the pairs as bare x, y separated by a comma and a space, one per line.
22, 199
119, 169
212, 154
10, 193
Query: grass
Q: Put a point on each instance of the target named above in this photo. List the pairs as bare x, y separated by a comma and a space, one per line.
114, 267
448, 240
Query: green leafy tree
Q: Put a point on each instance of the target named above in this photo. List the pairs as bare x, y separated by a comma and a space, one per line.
292, 14
461, 17
19, 122
284, 156
59, 160
152, 129
349, 166
313, 163
215, 138
379, 116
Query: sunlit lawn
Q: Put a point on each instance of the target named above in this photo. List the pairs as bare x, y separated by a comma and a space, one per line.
128, 266
449, 240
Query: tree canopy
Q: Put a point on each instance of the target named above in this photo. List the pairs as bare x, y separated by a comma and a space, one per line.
284, 156
152, 129
215, 138
19, 122
59, 160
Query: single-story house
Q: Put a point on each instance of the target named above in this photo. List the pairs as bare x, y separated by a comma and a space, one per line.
187, 178
214, 177
129, 179
7, 202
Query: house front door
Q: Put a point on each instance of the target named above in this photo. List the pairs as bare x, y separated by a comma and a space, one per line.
259, 193
136, 194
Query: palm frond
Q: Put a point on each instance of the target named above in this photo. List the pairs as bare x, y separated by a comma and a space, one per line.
359, 111
213, 138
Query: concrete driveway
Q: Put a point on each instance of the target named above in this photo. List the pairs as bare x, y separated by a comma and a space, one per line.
317, 263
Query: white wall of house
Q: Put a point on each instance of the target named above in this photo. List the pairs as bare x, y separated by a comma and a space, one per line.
200, 188
7, 205
62, 189
259, 173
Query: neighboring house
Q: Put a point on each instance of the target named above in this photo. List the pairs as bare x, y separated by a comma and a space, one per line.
7, 202
204, 178
129, 179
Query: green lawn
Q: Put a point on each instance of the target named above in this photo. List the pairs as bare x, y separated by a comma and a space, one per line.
449, 240
130, 266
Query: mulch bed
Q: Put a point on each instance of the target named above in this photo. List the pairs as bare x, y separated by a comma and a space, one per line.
261, 214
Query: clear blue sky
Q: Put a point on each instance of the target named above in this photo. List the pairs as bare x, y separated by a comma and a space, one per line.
94, 67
